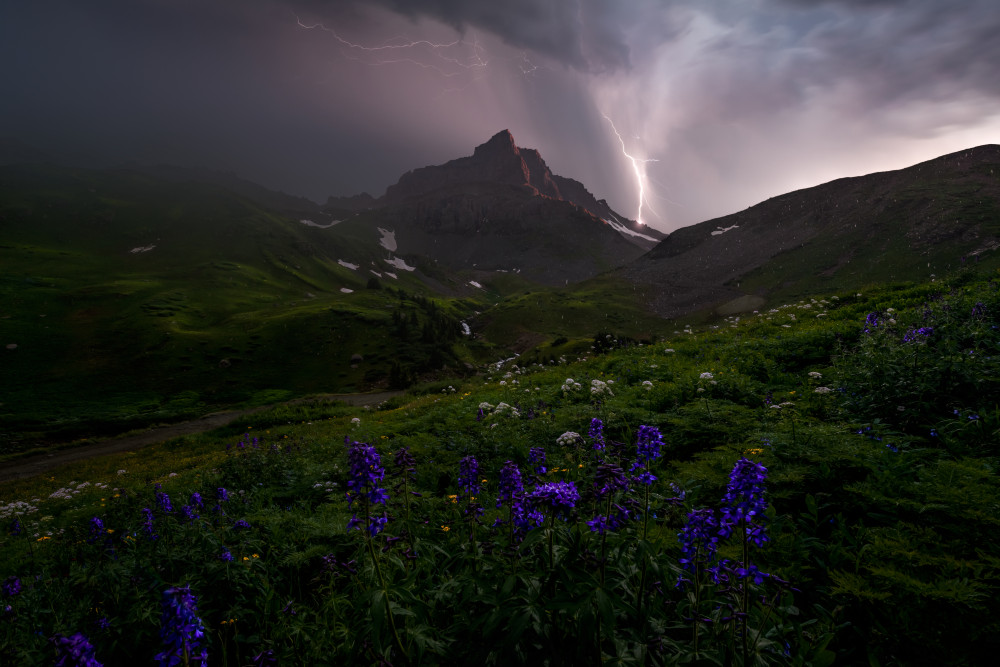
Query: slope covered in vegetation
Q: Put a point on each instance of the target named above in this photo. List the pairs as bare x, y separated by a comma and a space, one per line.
810, 484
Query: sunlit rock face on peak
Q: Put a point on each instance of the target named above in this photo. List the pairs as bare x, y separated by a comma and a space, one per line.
500, 161
502, 209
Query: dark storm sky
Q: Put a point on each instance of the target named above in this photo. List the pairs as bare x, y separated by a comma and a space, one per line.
735, 100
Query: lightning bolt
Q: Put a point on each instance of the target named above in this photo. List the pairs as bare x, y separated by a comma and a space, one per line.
439, 59
639, 167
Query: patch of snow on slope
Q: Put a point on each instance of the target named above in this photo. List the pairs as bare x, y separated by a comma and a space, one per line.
375, 272
723, 230
466, 330
347, 265
346, 290
400, 263
310, 223
392, 275
388, 240
475, 284
622, 229
144, 248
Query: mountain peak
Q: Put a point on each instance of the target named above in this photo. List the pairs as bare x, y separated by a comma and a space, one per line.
501, 143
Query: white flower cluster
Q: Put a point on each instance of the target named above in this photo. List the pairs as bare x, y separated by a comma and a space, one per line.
706, 376
647, 385
669, 350
600, 388
485, 407
506, 409
329, 487
815, 375
570, 385
568, 438
16, 508
448, 390
786, 404
822, 390
356, 421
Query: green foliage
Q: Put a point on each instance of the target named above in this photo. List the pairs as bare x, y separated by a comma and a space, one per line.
887, 532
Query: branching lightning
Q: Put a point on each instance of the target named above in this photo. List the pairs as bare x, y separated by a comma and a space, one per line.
639, 167
435, 56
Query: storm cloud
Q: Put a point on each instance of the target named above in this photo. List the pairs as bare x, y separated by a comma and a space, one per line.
735, 100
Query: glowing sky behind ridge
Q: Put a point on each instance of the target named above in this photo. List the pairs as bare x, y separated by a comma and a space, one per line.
735, 100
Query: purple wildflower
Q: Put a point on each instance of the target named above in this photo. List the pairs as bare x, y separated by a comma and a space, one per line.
559, 496
598, 524
915, 334
147, 523
181, 630
744, 501
221, 495
188, 513
196, 500
11, 587
96, 529
537, 456
596, 433
699, 540
242, 524
163, 500
468, 475
979, 311
511, 486
15, 527
872, 322
74, 651
608, 479
226, 556
264, 659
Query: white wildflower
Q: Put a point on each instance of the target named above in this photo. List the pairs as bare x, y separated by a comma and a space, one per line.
568, 438
706, 376
822, 390
647, 385
815, 375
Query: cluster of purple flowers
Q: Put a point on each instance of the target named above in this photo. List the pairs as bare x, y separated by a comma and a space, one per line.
147, 523
181, 630
596, 434
744, 502
96, 530
915, 334
163, 500
743, 507
536, 455
468, 475
221, 496
11, 587
647, 450
511, 486
872, 322
699, 540
364, 481
74, 651
559, 497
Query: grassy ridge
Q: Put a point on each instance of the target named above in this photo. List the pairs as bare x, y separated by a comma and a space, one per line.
881, 494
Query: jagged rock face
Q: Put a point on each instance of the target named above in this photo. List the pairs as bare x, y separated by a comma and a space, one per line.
499, 160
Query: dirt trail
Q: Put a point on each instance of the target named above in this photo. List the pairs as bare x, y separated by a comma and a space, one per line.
39, 463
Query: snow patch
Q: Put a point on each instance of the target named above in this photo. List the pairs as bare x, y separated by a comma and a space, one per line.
310, 223
400, 263
475, 284
143, 248
346, 291
388, 240
723, 230
347, 265
622, 229
375, 272
392, 275
466, 330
